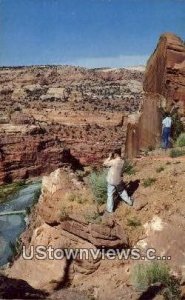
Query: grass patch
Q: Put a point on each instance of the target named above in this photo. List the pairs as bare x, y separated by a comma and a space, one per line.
145, 275
180, 142
8, 189
98, 186
160, 169
133, 222
128, 168
176, 153
77, 197
149, 181
94, 218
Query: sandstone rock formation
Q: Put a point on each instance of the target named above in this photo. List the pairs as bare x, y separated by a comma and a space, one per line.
165, 72
155, 221
164, 86
62, 224
144, 127
28, 152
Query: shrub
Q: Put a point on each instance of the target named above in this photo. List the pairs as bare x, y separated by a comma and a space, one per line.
128, 168
98, 185
151, 148
177, 126
144, 275
77, 197
181, 140
149, 181
177, 152
133, 222
160, 169
149, 273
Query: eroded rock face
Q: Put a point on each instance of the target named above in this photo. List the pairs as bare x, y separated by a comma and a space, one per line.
164, 86
144, 127
27, 152
165, 72
63, 225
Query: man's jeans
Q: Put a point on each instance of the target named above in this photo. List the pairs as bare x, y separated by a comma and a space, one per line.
166, 136
112, 190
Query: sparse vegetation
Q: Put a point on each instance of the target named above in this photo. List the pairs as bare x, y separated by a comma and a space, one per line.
9, 189
181, 140
128, 168
94, 218
77, 196
160, 169
133, 222
98, 185
149, 181
177, 152
177, 126
151, 148
145, 275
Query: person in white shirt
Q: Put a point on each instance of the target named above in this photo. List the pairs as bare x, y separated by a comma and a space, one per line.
114, 180
166, 130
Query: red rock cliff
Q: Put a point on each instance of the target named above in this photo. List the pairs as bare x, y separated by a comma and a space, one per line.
165, 72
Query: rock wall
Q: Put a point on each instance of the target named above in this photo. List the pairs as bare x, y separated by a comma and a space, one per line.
165, 72
144, 128
164, 86
28, 153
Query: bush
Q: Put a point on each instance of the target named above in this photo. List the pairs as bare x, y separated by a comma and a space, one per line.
133, 222
160, 169
177, 126
181, 140
78, 197
144, 275
177, 152
128, 168
98, 185
149, 273
149, 181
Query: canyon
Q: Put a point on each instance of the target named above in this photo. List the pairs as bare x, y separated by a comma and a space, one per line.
62, 118
52, 114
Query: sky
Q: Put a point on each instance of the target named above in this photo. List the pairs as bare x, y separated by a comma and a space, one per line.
88, 33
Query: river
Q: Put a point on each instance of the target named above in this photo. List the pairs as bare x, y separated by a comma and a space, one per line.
11, 226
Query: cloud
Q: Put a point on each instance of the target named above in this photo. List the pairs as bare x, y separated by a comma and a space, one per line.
112, 62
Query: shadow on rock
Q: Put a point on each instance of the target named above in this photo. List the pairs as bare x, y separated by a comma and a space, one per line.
18, 289
132, 186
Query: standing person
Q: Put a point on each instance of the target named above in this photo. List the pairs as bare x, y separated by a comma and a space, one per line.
166, 130
114, 180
